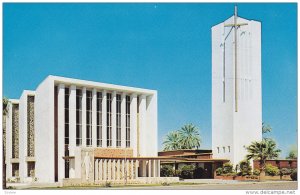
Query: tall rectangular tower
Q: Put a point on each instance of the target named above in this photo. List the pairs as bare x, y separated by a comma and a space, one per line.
236, 87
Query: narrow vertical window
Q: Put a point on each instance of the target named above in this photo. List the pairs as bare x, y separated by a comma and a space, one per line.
78, 117
89, 118
224, 149
15, 170
30, 169
30, 126
15, 130
99, 119
118, 120
109, 122
127, 121
218, 149
228, 148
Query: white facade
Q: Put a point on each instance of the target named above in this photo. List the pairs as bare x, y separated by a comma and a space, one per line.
236, 111
71, 116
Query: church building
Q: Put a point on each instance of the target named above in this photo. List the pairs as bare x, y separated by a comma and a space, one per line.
82, 130
74, 131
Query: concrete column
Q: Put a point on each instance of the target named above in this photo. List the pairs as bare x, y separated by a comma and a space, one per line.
132, 170
96, 169
123, 169
72, 121
109, 170
105, 169
136, 169
142, 125
127, 169
113, 119
104, 112
133, 123
113, 169
144, 168
9, 142
84, 116
154, 168
94, 118
72, 169
123, 120
23, 136
118, 170
158, 168
61, 130
77, 161
100, 169
149, 168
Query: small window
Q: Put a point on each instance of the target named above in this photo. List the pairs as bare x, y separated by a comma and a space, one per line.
15, 169
224, 149
228, 148
218, 149
30, 169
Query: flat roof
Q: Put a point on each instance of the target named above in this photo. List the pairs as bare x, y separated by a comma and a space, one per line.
162, 159
99, 85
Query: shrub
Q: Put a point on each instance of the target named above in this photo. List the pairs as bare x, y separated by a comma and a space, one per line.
285, 171
245, 168
165, 184
219, 171
177, 173
230, 174
271, 170
166, 171
198, 173
187, 172
294, 175
107, 184
256, 172
227, 168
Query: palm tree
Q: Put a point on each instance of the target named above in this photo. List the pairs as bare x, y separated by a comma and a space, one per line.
189, 137
5, 104
172, 141
266, 149
266, 128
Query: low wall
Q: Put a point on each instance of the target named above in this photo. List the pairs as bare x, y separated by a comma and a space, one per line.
140, 180
253, 178
284, 177
239, 178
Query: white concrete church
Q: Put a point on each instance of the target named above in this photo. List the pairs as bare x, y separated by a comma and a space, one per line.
75, 131
82, 131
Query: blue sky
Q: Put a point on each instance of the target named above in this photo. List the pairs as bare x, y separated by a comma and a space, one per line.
166, 47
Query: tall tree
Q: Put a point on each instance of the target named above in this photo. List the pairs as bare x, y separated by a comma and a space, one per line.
262, 151
189, 137
5, 104
172, 141
266, 128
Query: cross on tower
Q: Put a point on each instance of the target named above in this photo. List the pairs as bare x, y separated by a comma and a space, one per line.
235, 25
